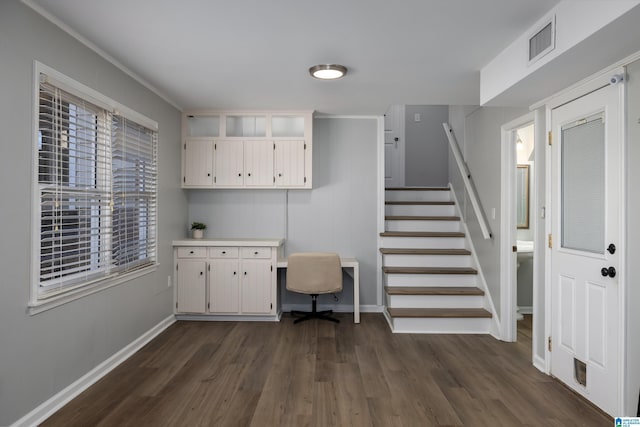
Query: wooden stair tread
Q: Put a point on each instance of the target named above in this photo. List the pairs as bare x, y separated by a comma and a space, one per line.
439, 312
421, 234
418, 202
411, 251
420, 218
429, 270
417, 189
433, 290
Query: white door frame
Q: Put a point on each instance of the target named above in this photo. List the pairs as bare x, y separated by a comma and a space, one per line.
598, 81
508, 272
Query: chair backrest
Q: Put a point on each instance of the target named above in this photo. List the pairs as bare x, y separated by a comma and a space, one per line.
314, 273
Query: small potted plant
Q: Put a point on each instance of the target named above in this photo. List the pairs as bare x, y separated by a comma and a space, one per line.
197, 229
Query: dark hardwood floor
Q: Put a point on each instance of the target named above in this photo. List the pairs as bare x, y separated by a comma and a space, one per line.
319, 373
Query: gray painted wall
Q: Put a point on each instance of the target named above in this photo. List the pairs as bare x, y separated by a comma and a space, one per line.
481, 147
338, 214
633, 240
42, 354
426, 148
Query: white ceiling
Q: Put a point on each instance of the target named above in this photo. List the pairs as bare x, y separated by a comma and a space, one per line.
254, 54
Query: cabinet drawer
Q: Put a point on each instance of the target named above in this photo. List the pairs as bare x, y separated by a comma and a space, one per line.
223, 252
192, 252
256, 253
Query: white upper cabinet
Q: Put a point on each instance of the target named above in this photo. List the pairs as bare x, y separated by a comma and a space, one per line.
271, 149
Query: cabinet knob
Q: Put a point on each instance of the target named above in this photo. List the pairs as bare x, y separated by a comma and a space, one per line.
255, 253
245, 273
234, 273
208, 174
201, 273
239, 174
249, 174
224, 252
191, 252
279, 174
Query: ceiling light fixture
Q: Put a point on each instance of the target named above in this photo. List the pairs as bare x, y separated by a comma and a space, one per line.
328, 71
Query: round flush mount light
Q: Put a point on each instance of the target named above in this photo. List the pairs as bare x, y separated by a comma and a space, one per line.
328, 71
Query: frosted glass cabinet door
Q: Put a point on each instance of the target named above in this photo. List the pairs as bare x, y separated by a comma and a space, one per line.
198, 162
228, 163
290, 170
202, 126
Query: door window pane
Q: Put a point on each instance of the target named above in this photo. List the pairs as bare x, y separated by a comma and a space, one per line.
583, 191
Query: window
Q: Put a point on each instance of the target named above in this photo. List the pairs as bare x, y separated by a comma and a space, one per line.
95, 193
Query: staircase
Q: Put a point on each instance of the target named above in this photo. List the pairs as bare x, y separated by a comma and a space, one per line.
431, 284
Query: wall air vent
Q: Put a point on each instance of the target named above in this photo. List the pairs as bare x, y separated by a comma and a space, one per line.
543, 40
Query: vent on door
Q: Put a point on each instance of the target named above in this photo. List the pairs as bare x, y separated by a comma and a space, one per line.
543, 41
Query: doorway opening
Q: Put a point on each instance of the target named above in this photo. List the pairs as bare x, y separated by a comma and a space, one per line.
518, 232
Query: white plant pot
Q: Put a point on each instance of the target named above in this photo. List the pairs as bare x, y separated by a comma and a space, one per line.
197, 234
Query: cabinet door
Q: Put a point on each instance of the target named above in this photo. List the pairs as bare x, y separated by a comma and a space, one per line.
256, 286
228, 163
191, 286
290, 163
258, 163
198, 162
224, 286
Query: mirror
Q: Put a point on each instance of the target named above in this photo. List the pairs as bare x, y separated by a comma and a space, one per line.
522, 196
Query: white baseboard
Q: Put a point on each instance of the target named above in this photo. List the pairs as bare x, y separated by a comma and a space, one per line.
50, 406
525, 310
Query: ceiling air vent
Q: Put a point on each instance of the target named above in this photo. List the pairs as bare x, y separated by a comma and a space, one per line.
543, 40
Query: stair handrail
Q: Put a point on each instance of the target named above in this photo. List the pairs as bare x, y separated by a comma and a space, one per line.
466, 178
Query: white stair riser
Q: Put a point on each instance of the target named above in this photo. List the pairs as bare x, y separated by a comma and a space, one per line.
435, 301
426, 260
423, 242
440, 325
431, 279
421, 225
421, 196
420, 210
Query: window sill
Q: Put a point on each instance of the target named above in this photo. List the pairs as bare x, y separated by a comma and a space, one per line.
39, 306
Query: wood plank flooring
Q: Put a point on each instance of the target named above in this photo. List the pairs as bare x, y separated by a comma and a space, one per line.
324, 374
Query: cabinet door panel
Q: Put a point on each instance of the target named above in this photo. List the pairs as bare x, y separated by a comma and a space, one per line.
198, 162
224, 286
289, 162
191, 287
256, 286
228, 163
258, 163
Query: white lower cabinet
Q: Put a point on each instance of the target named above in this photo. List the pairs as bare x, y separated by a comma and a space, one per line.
230, 280
224, 286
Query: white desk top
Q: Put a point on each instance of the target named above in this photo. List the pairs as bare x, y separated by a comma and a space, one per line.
345, 262
228, 242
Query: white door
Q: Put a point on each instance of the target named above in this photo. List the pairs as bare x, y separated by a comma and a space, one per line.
394, 147
586, 196
198, 162
191, 277
258, 163
289, 162
228, 163
256, 286
224, 284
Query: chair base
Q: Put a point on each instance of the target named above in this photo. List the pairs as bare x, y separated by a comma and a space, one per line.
314, 313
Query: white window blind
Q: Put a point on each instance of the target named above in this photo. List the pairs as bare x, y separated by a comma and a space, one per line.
96, 192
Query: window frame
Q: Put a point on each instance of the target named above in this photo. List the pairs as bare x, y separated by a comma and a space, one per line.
39, 301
